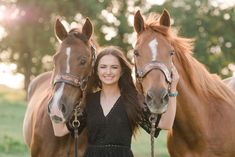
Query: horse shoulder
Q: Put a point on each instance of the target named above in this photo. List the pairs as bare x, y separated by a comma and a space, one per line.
37, 96
38, 81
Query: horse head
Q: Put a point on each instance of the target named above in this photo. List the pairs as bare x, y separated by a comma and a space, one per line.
153, 59
72, 67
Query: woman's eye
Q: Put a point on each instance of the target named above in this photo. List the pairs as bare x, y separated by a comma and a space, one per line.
115, 67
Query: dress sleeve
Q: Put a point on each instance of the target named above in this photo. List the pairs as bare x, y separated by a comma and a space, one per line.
82, 120
145, 123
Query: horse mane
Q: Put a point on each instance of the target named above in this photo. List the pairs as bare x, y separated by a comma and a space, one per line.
76, 32
206, 85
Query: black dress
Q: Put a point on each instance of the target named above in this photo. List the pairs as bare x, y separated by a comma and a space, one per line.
110, 135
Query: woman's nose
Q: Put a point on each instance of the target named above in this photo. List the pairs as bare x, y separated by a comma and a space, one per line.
108, 70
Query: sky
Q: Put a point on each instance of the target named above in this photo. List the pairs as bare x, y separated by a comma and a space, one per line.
8, 78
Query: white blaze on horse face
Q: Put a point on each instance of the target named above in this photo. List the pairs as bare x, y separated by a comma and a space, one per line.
55, 109
153, 46
68, 51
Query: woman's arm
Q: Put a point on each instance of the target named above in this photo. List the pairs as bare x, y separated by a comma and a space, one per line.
62, 129
167, 119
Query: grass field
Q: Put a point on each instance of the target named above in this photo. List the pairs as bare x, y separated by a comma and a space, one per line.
12, 108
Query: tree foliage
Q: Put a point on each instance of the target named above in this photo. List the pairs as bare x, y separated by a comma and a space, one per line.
30, 41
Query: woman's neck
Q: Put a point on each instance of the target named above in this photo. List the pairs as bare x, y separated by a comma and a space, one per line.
108, 91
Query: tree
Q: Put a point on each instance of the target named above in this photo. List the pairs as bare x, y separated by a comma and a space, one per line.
30, 41
212, 28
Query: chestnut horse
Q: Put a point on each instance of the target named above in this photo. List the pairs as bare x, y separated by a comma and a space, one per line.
52, 96
204, 125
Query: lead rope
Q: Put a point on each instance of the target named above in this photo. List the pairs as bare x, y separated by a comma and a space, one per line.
75, 125
152, 120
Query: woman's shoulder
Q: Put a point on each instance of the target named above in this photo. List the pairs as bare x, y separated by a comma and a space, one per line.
94, 96
91, 99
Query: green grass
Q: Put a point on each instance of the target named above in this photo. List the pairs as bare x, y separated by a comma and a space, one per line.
141, 146
12, 109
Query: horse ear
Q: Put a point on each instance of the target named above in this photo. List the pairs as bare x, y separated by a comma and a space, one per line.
138, 22
60, 30
165, 19
87, 29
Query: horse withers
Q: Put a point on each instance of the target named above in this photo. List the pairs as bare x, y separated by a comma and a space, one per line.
204, 125
52, 96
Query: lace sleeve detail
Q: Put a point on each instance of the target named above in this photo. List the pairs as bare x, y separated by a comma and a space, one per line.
81, 118
144, 122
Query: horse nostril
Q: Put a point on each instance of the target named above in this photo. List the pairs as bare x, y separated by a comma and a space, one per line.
63, 109
48, 109
165, 98
49, 106
149, 96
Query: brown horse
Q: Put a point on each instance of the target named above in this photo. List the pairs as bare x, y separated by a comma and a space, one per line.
205, 120
52, 96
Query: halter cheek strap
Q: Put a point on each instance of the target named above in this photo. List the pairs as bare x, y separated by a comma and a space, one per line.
74, 80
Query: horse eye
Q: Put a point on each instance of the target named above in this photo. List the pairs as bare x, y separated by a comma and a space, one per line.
136, 53
172, 52
82, 61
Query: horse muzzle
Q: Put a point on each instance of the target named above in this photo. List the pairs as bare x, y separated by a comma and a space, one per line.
157, 102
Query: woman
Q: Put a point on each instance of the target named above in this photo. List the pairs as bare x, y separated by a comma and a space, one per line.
113, 112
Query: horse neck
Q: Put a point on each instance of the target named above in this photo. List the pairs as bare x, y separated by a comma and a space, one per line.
190, 112
199, 112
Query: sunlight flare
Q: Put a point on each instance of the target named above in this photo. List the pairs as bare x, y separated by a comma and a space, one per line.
9, 78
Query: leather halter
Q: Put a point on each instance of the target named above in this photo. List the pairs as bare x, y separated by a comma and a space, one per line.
141, 73
79, 83
71, 80
74, 80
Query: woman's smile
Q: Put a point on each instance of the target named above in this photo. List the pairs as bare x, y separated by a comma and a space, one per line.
109, 70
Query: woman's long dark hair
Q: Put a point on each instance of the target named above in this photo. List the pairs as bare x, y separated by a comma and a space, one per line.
126, 84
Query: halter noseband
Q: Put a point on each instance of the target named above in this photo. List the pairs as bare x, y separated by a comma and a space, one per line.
71, 80
141, 73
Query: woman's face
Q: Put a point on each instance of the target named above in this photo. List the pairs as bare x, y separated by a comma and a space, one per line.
109, 70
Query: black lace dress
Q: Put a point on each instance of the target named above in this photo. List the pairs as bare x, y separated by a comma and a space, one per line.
110, 135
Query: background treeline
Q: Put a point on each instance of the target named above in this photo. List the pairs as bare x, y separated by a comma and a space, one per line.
29, 40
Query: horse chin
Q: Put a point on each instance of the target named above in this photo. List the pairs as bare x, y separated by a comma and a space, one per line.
157, 110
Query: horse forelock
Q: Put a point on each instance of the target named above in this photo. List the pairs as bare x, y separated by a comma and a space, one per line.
152, 22
203, 83
75, 32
